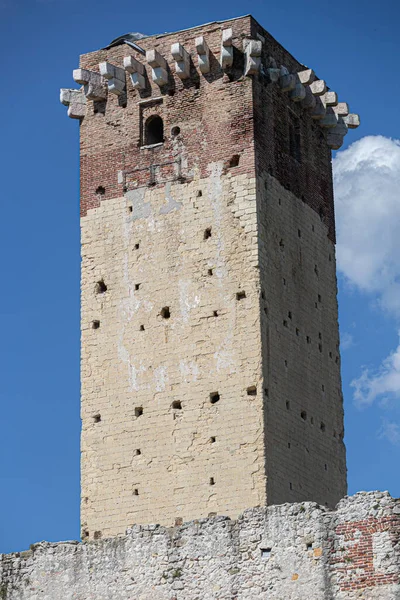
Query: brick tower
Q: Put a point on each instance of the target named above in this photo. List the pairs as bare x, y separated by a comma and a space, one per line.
210, 346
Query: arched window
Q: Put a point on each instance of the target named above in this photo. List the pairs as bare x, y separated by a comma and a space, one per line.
154, 130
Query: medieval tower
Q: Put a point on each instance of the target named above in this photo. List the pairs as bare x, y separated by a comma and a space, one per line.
210, 347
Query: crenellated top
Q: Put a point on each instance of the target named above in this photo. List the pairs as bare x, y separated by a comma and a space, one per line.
302, 87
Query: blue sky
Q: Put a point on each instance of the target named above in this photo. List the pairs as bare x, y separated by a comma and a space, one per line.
354, 46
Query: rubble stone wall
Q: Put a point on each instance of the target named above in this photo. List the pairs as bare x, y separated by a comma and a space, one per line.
287, 552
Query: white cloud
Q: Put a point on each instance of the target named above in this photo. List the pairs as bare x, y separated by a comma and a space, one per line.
346, 341
367, 203
384, 383
390, 431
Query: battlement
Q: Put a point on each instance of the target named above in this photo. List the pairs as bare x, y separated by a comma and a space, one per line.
294, 551
234, 53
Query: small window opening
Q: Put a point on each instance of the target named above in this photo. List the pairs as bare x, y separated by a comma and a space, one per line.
212, 481
290, 486
289, 314
319, 297
177, 405
285, 323
286, 363
309, 545
252, 390
175, 131
241, 295
330, 354
100, 191
326, 467
265, 553
136, 246
330, 258
165, 312
319, 335
316, 270
299, 233
215, 313
287, 405
210, 272
136, 492
95, 324
199, 193
297, 332
323, 387
234, 161
284, 281
288, 445
137, 452
154, 130
294, 137
308, 339
281, 243
97, 418
137, 286
322, 427
303, 415
141, 328
213, 439
214, 397
266, 392
101, 287
130, 209
320, 347
207, 233
138, 411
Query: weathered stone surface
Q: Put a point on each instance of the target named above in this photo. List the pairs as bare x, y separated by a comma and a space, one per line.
290, 552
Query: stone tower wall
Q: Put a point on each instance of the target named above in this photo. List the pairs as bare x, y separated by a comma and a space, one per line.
208, 274
187, 243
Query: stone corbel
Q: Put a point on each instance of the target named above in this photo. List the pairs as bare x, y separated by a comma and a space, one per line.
352, 121
158, 66
318, 87
341, 109
182, 60
306, 77
298, 93
203, 54
287, 80
76, 102
136, 72
226, 59
115, 77
253, 57
334, 137
93, 84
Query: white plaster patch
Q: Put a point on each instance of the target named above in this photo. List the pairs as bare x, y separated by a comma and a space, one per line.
160, 378
224, 356
189, 370
187, 299
215, 195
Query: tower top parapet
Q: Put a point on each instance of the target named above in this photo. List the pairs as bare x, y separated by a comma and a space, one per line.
187, 59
